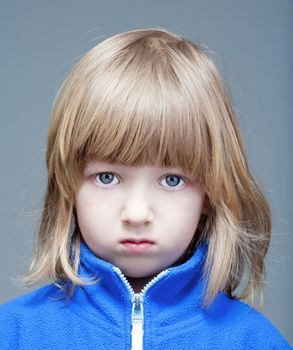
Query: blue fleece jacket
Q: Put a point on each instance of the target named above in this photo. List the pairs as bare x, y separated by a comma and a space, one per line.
99, 316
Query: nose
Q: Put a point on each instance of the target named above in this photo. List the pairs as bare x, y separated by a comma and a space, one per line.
137, 211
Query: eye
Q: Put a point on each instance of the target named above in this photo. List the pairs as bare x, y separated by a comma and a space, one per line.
173, 181
106, 179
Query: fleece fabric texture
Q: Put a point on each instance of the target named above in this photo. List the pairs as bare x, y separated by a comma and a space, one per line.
98, 316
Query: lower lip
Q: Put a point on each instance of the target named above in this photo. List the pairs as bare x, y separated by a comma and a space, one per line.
137, 247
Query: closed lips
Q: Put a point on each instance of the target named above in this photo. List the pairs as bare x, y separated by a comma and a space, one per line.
135, 241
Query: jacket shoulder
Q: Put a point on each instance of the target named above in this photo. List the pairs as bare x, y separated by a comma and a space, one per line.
26, 310
256, 330
30, 301
264, 331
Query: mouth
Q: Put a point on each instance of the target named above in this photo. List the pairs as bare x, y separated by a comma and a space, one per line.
137, 245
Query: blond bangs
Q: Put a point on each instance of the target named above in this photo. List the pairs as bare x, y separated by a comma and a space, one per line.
136, 110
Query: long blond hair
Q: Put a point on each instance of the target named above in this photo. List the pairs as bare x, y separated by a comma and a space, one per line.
150, 96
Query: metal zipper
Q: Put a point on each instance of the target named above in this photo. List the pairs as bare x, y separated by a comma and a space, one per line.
137, 323
137, 315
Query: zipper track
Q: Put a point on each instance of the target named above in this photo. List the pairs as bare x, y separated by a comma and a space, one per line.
137, 299
145, 288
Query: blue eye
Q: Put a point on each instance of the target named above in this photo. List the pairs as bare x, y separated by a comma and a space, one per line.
173, 181
106, 179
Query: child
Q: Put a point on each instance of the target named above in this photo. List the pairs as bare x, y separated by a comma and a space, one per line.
150, 216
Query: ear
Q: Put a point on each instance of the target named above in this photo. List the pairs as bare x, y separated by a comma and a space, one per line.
206, 206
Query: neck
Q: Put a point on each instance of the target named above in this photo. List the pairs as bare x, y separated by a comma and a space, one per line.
137, 283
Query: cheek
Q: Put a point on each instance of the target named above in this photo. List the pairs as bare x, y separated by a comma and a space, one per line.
94, 219
186, 210
89, 215
184, 218
94, 226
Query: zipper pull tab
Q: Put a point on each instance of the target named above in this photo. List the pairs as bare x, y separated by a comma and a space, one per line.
137, 323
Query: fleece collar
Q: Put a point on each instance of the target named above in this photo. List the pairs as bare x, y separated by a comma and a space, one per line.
177, 282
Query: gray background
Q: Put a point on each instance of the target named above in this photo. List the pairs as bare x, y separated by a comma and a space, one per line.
251, 41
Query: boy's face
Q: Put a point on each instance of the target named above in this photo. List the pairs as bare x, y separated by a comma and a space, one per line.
141, 219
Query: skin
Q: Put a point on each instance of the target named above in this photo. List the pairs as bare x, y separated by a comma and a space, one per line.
117, 203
